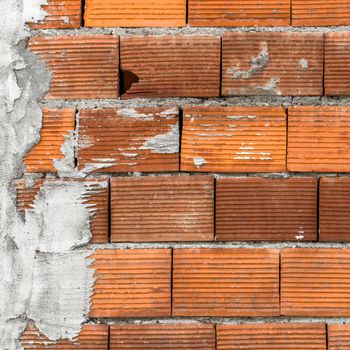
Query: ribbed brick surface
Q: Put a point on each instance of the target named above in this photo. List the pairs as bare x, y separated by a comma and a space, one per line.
254, 209
131, 283
320, 12
267, 336
337, 63
170, 66
57, 125
81, 66
96, 197
314, 282
239, 13
233, 139
60, 14
130, 13
91, 337
338, 336
272, 64
225, 282
153, 209
140, 139
334, 209
318, 138
162, 336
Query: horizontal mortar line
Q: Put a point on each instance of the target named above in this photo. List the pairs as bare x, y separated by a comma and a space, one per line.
189, 30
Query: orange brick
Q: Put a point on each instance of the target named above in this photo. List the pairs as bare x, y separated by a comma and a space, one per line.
163, 336
60, 14
255, 209
318, 138
91, 337
97, 196
314, 282
337, 63
81, 66
153, 209
320, 12
267, 336
272, 63
170, 66
334, 209
226, 282
57, 125
130, 13
140, 139
338, 336
233, 139
239, 13
131, 283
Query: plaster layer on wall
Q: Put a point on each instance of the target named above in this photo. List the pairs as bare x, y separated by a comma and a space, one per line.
41, 279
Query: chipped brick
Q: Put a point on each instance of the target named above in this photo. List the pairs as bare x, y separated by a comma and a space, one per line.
233, 139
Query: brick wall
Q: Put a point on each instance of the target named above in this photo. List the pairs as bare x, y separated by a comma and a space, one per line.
216, 149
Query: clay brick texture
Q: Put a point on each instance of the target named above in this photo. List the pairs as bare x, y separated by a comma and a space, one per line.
206, 145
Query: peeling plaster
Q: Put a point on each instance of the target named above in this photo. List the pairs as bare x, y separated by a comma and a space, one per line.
32, 10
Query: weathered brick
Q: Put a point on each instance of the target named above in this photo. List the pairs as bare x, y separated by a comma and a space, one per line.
272, 63
163, 336
57, 125
314, 282
318, 138
267, 336
233, 139
97, 197
172, 208
337, 63
170, 66
60, 14
338, 336
130, 13
131, 283
140, 139
255, 209
81, 66
320, 12
239, 13
225, 282
334, 209
94, 337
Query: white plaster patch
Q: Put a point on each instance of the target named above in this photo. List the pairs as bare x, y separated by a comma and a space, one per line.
65, 166
199, 162
132, 113
237, 117
32, 10
303, 64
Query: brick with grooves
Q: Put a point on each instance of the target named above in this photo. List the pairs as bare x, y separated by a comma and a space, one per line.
156, 209
225, 282
338, 336
255, 209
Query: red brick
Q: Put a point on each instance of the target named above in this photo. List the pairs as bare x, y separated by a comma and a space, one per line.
255, 209
130, 13
334, 209
239, 13
97, 196
272, 63
320, 12
153, 209
60, 14
314, 282
131, 283
163, 336
318, 138
267, 336
81, 66
125, 140
233, 139
337, 63
338, 336
57, 125
225, 282
170, 66
94, 337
